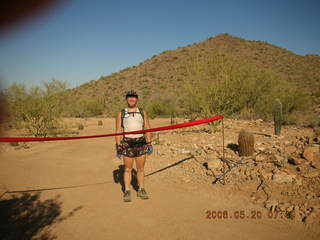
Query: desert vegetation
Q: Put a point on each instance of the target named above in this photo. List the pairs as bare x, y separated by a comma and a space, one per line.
222, 75
222, 85
36, 109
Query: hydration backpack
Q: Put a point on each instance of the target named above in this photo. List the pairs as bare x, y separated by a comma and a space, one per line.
123, 112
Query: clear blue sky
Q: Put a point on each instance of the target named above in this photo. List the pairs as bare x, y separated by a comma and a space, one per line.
81, 40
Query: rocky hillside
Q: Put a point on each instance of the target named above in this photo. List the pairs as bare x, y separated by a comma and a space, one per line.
167, 70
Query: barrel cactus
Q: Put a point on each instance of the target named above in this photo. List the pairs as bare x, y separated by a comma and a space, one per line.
246, 143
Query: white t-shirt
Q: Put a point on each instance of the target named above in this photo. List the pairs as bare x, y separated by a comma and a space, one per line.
133, 122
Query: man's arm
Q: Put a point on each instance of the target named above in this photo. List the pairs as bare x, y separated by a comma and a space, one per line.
147, 126
118, 128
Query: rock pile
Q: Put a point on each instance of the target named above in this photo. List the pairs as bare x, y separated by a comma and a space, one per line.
283, 174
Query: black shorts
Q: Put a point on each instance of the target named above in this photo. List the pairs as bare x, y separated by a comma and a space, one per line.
134, 147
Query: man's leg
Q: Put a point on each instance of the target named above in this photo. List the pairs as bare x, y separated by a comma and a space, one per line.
140, 162
128, 164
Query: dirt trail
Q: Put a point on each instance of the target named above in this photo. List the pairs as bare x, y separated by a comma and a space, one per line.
174, 210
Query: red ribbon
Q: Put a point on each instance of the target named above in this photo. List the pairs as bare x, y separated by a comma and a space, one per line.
180, 125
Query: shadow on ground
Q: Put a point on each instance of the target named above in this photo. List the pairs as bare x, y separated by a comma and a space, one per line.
234, 147
118, 174
118, 178
26, 216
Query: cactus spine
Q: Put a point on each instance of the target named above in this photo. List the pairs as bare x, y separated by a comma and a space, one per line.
277, 116
246, 143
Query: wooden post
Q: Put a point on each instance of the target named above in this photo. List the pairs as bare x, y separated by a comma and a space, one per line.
222, 140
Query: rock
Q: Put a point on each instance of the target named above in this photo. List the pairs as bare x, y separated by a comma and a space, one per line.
271, 205
316, 140
279, 160
312, 173
267, 176
259, 121
212, 155
261, 157
316, 210
298, 181
308, 152
208, 147
309, 210
295, 160
316, 160
287, 143
184, 151
295, 214
291, 150
283, 207
290, 208
310, 219
276, 170
304, 139
214, 163
291, 214
195, 147
309, 196
281, 177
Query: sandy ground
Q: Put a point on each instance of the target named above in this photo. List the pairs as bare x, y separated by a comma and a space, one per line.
90, 200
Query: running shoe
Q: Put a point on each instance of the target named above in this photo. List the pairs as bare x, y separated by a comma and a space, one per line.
127, 196
142, 193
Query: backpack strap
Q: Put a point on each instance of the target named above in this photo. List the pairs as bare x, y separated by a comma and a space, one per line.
123, 112
142, 114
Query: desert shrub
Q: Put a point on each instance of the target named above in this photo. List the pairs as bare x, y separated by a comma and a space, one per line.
86, 107
15, 97
80, 126
14, 144
221, 85
160, 106
100, 123
38, 109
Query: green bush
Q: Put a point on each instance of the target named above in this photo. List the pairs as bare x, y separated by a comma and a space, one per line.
37, 109
222, 85
85, 108
160, 107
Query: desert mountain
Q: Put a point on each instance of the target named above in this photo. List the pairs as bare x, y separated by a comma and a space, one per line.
164, 73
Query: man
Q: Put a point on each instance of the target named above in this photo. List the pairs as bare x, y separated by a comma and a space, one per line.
133, 147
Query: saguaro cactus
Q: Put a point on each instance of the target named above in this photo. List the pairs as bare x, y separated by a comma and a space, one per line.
246, 143
277, 116
173, 118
